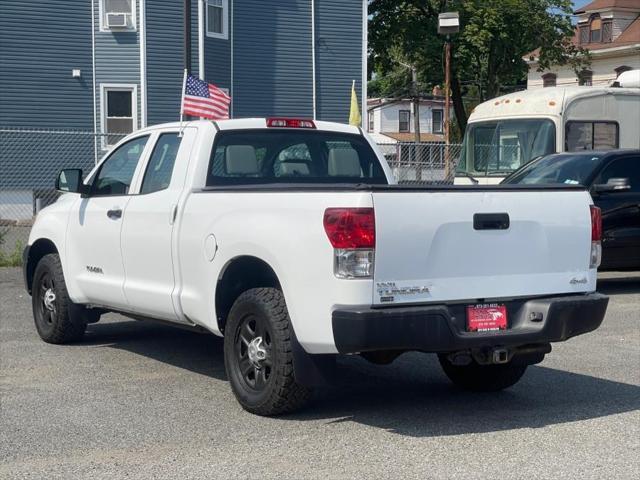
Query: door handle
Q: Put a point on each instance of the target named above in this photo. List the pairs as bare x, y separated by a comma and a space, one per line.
491, 221
114, 213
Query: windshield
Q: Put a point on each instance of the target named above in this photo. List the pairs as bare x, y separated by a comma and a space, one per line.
560, 168
502, 146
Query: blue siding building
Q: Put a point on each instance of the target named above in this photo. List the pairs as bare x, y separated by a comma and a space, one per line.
117, 65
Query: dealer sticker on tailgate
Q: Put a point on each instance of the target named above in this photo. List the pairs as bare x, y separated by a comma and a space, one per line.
486, 317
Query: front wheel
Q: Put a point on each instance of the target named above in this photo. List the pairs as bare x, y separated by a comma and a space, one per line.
258, 357
482, 378
57, 318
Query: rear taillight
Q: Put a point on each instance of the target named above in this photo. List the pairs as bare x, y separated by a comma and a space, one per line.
289, 123
596, 224
352, 233
596, 237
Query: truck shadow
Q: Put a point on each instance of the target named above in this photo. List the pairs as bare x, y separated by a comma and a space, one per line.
409, 397
627, 284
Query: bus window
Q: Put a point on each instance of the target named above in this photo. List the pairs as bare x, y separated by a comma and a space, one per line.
591, 136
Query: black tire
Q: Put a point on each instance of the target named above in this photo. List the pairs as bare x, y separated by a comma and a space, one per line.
263, 387
482, 378
57, 320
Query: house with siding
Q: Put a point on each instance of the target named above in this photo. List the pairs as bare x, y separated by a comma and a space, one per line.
109, 67
395, 119
610, 31
112, 66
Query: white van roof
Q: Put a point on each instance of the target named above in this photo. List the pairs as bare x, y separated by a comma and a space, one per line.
540, 102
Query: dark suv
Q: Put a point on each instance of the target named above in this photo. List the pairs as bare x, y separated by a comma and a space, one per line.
613, 178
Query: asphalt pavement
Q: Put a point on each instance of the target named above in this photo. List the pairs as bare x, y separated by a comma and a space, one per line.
142, 400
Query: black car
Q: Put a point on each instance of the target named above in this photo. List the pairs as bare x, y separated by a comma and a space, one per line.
613, 178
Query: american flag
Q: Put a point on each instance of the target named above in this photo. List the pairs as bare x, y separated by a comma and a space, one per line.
204, 99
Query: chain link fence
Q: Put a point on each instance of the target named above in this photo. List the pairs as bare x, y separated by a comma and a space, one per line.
422, 163
30, 160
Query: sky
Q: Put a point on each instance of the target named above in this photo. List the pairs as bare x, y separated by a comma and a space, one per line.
580, 3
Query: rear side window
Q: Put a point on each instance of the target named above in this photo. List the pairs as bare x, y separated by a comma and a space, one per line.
160, 166
591, 136
249, 157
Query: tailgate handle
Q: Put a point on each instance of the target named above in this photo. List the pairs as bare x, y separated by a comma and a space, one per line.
490, 221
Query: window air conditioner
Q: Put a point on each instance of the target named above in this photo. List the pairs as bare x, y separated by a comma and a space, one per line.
116, 20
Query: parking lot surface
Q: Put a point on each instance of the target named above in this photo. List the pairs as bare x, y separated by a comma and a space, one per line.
141, 400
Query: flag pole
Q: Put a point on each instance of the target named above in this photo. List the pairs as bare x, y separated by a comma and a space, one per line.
184, 89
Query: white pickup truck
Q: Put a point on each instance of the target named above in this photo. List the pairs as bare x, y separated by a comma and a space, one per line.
290, 238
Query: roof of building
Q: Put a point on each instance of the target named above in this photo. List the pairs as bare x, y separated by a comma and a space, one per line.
411, 137
629, 36
602, 4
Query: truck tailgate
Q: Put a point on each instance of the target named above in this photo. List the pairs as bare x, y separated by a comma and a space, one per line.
428, 248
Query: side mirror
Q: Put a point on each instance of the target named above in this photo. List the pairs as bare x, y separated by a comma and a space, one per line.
613, 185
70, 181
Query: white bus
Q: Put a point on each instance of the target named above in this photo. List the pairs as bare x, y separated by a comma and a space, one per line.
509, 131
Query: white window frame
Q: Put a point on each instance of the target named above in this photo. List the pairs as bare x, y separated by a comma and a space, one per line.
103, 17
121, 87
225, 21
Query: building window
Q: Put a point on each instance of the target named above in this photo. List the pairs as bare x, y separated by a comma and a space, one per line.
436, 121
403, 120
117, 15
371, 119
607, 32
218, 19
118, 107
584, 34
595, 29
549, 80
585, 77
622, 69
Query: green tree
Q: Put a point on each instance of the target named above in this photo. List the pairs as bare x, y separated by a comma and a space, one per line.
487, 54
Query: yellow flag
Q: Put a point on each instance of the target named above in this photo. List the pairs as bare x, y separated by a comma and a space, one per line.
354, 115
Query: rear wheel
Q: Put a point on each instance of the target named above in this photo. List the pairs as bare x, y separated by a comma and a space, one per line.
57, 318
258, 355
482, 378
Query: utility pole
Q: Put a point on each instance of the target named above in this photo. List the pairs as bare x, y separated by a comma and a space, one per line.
447, 88
448, 23
187, 35
416, 102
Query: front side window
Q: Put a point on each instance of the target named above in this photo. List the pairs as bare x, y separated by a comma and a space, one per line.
217, 18
160, 167
591, 136
117, 14
436, 121
116, 172
118, 113
252, 157
403, 120
628, 167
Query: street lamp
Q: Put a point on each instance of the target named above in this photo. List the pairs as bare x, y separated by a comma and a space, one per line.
448, 24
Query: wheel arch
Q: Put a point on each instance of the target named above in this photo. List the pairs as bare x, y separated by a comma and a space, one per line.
240, 274
39, 248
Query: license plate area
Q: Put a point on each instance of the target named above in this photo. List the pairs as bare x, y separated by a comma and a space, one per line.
486, 317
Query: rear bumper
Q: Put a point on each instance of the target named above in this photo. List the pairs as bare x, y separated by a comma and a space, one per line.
442, 328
